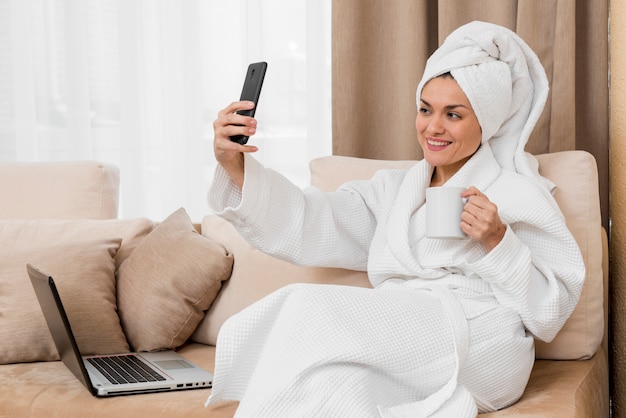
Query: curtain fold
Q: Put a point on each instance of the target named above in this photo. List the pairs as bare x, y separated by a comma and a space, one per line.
380, 49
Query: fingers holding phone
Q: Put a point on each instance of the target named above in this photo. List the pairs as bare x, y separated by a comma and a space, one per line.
229, 154
231, 122
237, 120
235, 124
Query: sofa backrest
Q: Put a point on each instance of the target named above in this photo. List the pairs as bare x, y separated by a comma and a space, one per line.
60, 190
575, 175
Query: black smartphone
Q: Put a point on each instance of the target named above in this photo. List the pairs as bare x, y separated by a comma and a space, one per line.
251, 91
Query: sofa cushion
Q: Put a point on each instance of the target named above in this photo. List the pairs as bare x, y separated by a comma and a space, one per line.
82, 256
256, 274
62, 190
575, 175
50, 390
168, 282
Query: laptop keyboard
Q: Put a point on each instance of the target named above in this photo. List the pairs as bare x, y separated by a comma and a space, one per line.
125, 369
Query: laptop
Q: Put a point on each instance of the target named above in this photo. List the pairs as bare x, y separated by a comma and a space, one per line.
117, 374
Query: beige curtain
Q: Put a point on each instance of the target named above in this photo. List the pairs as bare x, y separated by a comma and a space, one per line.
380, 49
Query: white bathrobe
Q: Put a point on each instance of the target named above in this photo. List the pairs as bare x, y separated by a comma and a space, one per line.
448, 328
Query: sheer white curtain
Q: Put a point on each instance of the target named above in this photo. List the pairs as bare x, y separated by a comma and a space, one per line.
138, 83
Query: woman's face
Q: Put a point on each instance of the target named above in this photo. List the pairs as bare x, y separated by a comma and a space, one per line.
447, 128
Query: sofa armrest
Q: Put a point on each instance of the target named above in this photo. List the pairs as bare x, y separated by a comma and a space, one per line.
60, 190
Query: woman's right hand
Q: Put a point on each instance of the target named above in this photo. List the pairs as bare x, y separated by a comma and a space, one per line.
229, 154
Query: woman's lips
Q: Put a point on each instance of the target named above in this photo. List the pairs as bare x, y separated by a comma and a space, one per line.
437, 144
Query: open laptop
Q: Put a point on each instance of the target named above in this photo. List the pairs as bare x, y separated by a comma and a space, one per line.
117, 374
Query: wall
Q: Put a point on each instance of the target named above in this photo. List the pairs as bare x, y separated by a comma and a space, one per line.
617, 169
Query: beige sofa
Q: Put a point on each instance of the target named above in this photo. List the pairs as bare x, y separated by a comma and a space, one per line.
134, 283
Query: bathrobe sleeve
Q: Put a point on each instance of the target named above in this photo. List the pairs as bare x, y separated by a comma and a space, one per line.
304, 227
537, 269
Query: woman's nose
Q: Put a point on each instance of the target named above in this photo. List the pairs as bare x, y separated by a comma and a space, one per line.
435, 124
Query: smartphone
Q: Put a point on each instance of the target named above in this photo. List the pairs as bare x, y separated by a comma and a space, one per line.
251, 91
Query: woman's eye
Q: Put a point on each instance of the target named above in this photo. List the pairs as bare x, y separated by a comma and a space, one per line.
423, 110
454, 115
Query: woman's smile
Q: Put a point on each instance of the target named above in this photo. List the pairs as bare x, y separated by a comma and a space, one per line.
435, 144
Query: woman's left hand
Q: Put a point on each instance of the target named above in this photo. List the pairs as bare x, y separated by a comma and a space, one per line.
480, 219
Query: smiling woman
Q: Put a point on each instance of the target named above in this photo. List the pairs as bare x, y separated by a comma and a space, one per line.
447, 128
137, 84
447, 328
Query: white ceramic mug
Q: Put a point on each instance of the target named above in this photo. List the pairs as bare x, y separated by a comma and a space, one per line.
444, 207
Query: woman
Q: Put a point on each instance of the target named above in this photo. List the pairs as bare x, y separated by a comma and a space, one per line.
448, 328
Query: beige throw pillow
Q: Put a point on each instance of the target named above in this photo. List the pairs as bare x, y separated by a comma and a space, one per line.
168, 282
84, 272
79, 255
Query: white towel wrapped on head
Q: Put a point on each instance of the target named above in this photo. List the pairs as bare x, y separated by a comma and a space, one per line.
504, 82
